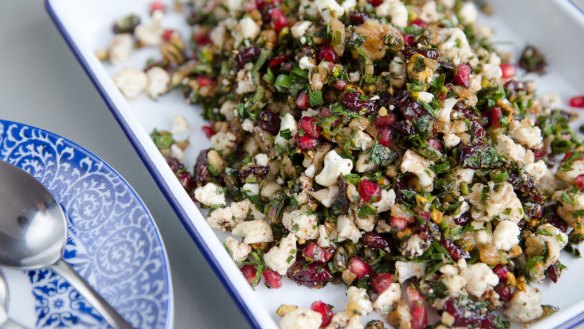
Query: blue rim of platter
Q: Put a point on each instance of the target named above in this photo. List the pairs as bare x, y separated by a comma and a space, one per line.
165, 189
112, 241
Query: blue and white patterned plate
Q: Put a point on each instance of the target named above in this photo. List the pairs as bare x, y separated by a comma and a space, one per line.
113, 241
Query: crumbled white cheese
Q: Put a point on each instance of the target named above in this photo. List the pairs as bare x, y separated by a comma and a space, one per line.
247, 125
358, 302
347, 230
210, 195
324, 240
228, 110
120, 48
223, 142
301, 318
506, 235
362, 141
282, 256
251, 189
444, 113
499, 201
514, 152
180, 125
288, 123
326, 196
525, 133
479, 278
329, 9
176, 152
397, 67
131, 82
237, 250
254, 231
306, 63
245, 83
233, 5
158, 81
451, 140
248, 28
525, 305
419, 166
261, 159
386, 201
406, 270
299, 29
149, 34
334, 166
385, 301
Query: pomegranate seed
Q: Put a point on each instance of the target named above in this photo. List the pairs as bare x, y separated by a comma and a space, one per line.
279, 20
249, 272
509, 70
409, 39
386, 120
455, 252
358, 18
462, 75
340, 84
186, 180
353, 101
369, 190
306, 142
204, 81
504, 292
312, 275
325, 112
495, 117
399, 223
157, 6
325, 311
314, 253
327, 53
208, 130
384, 136
539, 153
359, 267
303, 100
167, 34
577, 101
374, 240
436, 144
419, 22
579, 181
202, 38
275, 62
380, 282
501, 272
419, 315
174, 164
375, 3
308, 125
272, 278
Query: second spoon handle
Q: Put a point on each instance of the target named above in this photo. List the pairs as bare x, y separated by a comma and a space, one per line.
92, 296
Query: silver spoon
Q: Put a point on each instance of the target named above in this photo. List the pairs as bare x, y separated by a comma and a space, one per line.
33, 234
5, 321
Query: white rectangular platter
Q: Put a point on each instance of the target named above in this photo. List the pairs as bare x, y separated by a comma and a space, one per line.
554, 26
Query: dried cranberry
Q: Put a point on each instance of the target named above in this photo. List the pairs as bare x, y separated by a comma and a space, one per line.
406, 105
325, 311
327, 53
375, 3
275, 62
577, 101
501, 272
552, 218
509, 70
455, 251
359, 267
495, 117
539, 153
504, 291
208, 131
384, 121
419, 22
404, 128
467, 313
354, 101
358, 17
269, 122
272, 279
462, 75
279, 20
202, 38
380, 282
286, 67
302, 100
256, 171
409, 39
325, 112
553, 272
384, 136
311, 275
174, 164
247, 55
369, 190
374, 240
314, 253
157, 6
436, 144
308, 125
201, 170
186, 180
306, 142
399, 223
249, 272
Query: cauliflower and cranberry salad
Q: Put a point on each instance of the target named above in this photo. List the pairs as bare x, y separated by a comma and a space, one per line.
380, 144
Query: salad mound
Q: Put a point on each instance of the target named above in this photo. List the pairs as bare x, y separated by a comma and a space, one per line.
385, 145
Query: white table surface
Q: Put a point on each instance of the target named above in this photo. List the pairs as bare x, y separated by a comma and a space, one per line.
42, 84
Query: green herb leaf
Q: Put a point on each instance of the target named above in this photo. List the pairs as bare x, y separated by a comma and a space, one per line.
315, 98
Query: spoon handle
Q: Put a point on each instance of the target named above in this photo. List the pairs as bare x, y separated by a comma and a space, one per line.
92, 296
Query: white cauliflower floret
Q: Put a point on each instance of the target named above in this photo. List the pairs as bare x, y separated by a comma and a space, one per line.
386, 201
131, 82
303, 223
506, 235
226, 218
245, 83
568, 173
452, 280
512, 151
495, 200
444, 113
248, 28
429, 13
326, 196
385, 301
468, 13
414, 246
347, 230
306, 63
538, 170
228, 110
419, 166
251, 189
454, 45
569, 203
158, 80
395, 9
233, 5
261, 159
150, 34
329, 9
334, 166
342, 320
525, 133
210, 195
406, 270
479, 278
362, 141
451, 140
299, 29
120, 48
301, 318
282, 256
237, 250
324, 239
254, 231
525, 305
223, 142
358, 302
180, 125
288, 123
364, 163
547, 241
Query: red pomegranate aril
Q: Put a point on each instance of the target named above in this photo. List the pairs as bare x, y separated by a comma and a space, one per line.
306, 142
385, 136
577, 101
501, 272
462, 75
208, 130
539, 153
409, 39
380, 282
553, 273
509, 70
303, 100
369, 190
495, 117
308, 125
204, 81
384, 121
279, 20
419, 22
327, 53
275, 62
340, 85
359, 267
272, 279
249, 272
455, 251
579, 181
399, 223
375, 3
167, 34
325, 311
314, 253
418, 312
504, 292
202, 39
374, 240
436, 144
157, 6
